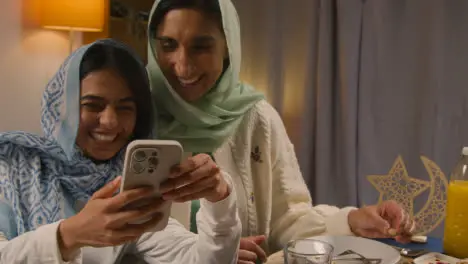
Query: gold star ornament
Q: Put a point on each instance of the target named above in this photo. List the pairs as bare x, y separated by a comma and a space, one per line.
398, 186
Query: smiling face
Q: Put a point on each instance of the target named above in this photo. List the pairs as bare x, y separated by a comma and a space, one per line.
107, 114
191, 50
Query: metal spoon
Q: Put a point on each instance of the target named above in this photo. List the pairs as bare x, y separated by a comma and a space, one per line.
411, 253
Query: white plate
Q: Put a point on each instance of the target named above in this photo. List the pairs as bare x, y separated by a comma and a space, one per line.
435, 258
367, 247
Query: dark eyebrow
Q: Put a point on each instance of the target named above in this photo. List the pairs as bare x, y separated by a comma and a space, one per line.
198, 39
99, 98
204, 39
164, 38
92, 98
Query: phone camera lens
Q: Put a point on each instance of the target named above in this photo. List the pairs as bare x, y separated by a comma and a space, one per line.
153, 162
138, 167
154, 154
140, 155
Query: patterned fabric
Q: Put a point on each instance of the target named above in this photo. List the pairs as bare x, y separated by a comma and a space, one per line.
38, 173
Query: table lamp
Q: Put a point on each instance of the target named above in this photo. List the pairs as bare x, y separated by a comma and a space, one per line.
73, 15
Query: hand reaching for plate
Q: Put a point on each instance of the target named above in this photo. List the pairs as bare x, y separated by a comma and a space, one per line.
385, 220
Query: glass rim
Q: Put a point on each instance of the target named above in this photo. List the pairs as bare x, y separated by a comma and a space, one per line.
326, 244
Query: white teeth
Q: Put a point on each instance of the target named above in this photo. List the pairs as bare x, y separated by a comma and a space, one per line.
188, 82
102, 137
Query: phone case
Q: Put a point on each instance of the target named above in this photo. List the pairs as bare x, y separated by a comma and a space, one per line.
148, 163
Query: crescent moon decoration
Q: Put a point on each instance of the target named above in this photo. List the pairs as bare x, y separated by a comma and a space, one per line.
397, 185
433, 212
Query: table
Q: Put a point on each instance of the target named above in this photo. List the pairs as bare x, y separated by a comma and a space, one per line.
432, 245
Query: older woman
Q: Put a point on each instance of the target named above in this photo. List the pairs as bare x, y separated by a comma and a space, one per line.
194, 64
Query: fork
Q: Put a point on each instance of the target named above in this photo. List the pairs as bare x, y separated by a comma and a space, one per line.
361, 257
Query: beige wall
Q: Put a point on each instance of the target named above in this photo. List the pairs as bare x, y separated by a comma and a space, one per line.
29, 57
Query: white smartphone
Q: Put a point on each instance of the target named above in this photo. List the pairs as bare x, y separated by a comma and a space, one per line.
148, 163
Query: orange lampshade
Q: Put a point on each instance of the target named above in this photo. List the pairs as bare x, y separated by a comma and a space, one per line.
79, 15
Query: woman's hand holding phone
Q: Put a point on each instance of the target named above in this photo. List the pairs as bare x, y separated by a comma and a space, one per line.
195, 178
104, 222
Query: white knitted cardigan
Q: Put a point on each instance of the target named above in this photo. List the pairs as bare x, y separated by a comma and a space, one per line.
273, 199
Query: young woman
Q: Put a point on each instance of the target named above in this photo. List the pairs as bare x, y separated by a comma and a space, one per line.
57, 192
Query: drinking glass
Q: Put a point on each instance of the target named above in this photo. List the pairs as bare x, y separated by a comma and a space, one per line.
308, 251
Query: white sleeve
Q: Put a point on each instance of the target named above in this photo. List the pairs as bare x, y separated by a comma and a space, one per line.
39, 246
293, 215
219, 231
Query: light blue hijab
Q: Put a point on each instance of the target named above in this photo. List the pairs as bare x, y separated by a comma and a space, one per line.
38, 174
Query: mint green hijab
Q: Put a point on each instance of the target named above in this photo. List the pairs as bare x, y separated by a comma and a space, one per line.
204, 125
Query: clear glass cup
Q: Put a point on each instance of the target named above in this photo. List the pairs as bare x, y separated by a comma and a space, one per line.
308, 251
